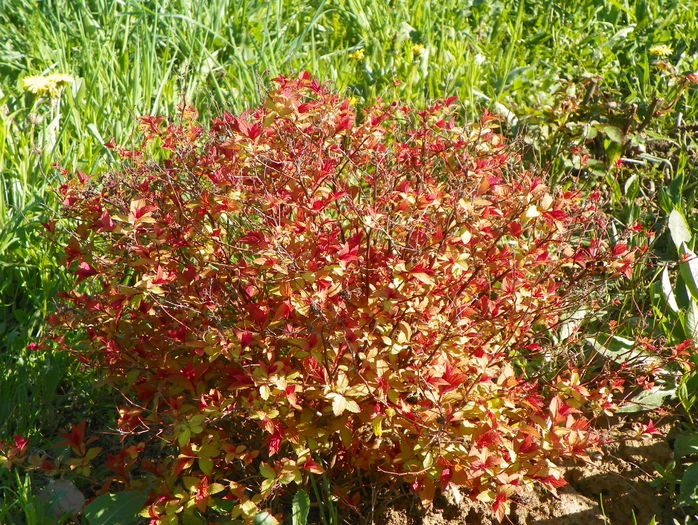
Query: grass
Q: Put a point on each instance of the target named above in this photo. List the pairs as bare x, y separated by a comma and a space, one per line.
521, 59
20, 496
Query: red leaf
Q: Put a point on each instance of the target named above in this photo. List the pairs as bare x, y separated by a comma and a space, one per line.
106, 222
50, 225
252, 238
515, 228
20, 443
84, 271
274, 443
75, 439
201, 497
620, 249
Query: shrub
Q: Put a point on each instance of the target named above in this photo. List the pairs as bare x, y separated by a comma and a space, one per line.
306, 289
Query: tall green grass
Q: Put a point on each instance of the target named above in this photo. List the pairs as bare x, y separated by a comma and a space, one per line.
515, 57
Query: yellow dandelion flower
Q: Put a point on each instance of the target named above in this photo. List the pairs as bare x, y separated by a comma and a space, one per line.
357, 55
418, 49
661, 50
37, 85
50, 84
61, 79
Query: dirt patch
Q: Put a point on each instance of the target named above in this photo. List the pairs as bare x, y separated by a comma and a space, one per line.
612, 488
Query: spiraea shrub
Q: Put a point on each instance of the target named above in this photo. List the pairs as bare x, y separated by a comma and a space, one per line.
309, 289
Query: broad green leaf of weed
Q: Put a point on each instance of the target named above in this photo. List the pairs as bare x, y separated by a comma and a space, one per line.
116, 509
685, 445
679, 229
689, 269
300, 508
689, 485
668, 291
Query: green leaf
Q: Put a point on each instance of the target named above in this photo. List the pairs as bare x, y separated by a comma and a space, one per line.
641, 13
192, 519
264, 518
183, 437
95, 133
621, 34
691, 320
679, 229
20, 315
267, 485
206, 465
617, 348
570, 325
665, 201
116, 509
688, 391
648, 399
682, 294
300, 508
685, 445
668, 291
675, 189
614, 186
266, 471
632, 187
404, 32
614, 133
689, 269
689, 483
428, 460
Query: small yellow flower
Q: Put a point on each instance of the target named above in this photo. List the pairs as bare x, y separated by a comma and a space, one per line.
661, 50
357, 55
36, 85
418, 49
61, 79
50, 84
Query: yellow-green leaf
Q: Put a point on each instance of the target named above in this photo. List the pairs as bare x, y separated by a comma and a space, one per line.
206, 466
353, 406
183, 437
377, 426
266, 471
339, 404
264, 392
